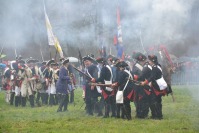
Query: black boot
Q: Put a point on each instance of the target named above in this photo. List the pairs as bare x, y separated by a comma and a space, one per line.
113, 109
51, 100
38, 98
46, 98
12, 98
72, 96
123, 116
107, 109
16, 101
118, 110
31, 98
56, 99
153, 111
159, 114
61, 103
66, 100
128, 111
20, 100
23, 101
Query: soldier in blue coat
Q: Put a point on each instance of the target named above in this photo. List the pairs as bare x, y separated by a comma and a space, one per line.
62, 85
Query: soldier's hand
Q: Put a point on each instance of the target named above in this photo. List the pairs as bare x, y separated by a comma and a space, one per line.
142, 83
113, 85
93, 80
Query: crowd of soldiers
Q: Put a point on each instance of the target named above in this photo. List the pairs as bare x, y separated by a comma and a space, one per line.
38, 82
109, 85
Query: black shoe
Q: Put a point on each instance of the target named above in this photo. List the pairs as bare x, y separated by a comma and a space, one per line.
100, 114
113, 116
106, 116
65, 110
59, 110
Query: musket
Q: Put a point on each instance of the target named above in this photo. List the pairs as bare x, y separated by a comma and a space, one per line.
81, 72
80, 58
99, 84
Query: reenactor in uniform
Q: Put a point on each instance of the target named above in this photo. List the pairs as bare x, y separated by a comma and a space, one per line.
25, 74
124, 89
62, 86
43, 74
72, 85
91, 93
155, 100
35, 75
12, 82
52, 80
6, 81
141, 72
106, 77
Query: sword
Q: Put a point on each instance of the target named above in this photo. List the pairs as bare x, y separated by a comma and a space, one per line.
172, 96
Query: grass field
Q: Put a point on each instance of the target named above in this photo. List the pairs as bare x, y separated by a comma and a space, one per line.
179, 117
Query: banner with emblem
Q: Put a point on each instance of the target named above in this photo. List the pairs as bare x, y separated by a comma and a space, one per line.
52, 39
118, 42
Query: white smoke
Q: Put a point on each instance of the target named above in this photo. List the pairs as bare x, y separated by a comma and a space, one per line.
81, 23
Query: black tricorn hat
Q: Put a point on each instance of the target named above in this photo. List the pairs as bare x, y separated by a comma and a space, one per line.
54, 64
44, 62
101, 60
30, 60
123, 64
21, 61
65, 61
87, 58
139, 56
117, 64
153, 58
50, 62
62, 59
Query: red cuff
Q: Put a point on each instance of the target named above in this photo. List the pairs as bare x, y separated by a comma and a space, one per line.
135, 77
146, 81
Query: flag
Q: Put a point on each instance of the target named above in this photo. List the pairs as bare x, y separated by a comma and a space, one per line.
52, 39
118, 42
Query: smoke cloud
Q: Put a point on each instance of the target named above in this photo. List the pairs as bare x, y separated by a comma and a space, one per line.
88, 24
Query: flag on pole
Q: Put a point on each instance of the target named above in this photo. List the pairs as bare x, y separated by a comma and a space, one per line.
52, 39
118, 42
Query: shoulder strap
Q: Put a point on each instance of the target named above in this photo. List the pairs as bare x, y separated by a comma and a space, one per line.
130, 76
139, 66
109, 68
88, 74
159, 68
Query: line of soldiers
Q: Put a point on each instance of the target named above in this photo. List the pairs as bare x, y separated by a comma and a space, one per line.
36, 82
109, 85
112, 84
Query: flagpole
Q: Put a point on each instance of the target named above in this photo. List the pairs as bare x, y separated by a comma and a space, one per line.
42, 57
142, 42
15, 50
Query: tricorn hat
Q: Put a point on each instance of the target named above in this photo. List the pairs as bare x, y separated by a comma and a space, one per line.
30, 60
101, 60
153, 58
50, 62
139, 56
21, 61
65, 61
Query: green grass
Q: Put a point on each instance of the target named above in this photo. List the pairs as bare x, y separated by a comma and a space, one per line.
179, 117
